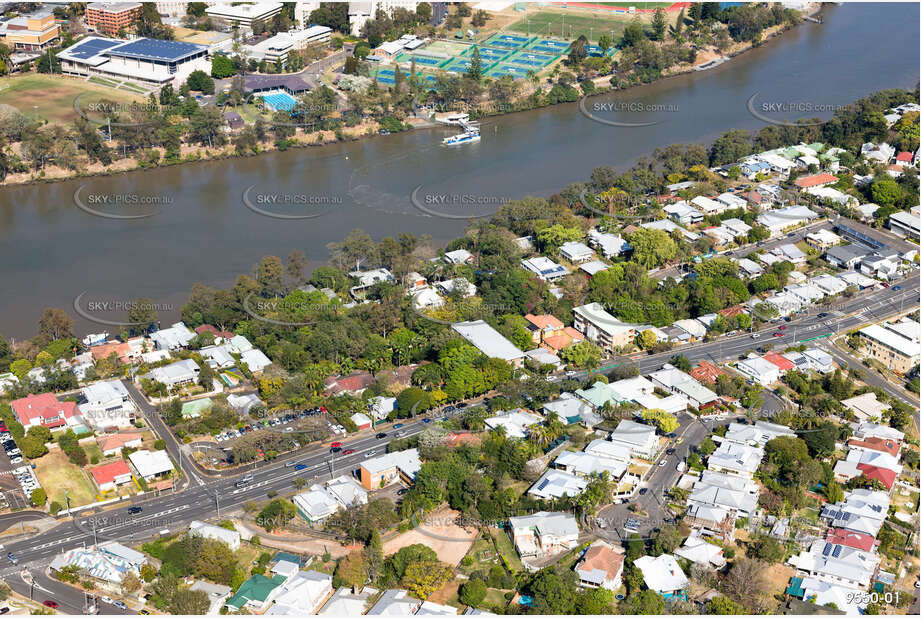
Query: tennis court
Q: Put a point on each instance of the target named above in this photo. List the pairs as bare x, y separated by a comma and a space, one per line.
534, 61
279, 101
506, 41
594, 51
488, 54
559, 46
427, 61
448, 48
503, 69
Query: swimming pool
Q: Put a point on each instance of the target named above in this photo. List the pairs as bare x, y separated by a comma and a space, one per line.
279, 101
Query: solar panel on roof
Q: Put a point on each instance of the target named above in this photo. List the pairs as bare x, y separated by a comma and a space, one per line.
827, 549
91, 48
837, 552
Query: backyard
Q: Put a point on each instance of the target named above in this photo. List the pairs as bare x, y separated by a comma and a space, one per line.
59, 477
52, 98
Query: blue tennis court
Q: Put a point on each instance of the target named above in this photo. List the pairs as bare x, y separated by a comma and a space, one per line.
544, 49
279, 101
531, 60
554, 44
512, 37
428, 61
507, 69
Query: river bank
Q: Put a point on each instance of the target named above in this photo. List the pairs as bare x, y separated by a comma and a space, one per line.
302, 139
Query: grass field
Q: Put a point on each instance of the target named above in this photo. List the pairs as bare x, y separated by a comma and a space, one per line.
569, 25
57, 475
52, 98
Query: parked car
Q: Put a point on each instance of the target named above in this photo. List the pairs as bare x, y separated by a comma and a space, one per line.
398, 425
381, 435
134, 510
370, 454
119, 604
51, 604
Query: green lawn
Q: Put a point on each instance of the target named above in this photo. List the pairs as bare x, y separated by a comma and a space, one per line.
571, 25
52, 97
58, 477
507, 549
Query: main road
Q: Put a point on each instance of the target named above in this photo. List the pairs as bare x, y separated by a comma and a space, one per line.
205, 498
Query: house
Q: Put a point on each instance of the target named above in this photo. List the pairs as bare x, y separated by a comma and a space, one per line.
706, 371
735, 459
173, 338
488, 341
668, 226
586, 464
759, 370
113, 444
862, 511
829, 285
427, 299
712, 521
891, 347
640, 439
561, 340
600, 566
571, 409
303, 594
459, 256
346, 602
805, 293
708, 206
395, 602
682, 213
701, 552
823, 239
817, 180
361, 420
175, 374
109, 476
663, 575
368, 279
515, 422
45, 411
151, 464
736, 227
693, 328
680, 383
833, 195
905, 224
458, 286
107, 562
555, 484
875, 430
107, 406
861, 282
256, 593
866, 406
602, 328
243, 404
881, 266
780, 219
731, 201
733, 495
783, 364
380, 407
255, 360
790, 253
756, 435
321, 501
399, 466
611, 245
576, 252
544, 357
593, 267
218, 356
819, 360
837, 564
231, 538
541, 326
356, 382
877, 153
217, 594
544, 533
748, 267
847, 256
544, 268
606, 449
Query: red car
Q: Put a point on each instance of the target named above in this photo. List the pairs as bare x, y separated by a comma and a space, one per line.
51, 604
781, 328
335, 444
348, 452
778, 334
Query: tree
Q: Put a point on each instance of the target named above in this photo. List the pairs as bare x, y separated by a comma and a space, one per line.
276, 514
130, 583
4, 591
38, 497
143, 314
54, 324
32, 447
472, 592
652, 248
834, 492
374, 555
707, 447
189, 602
646, 602
667, 423
745, 582
424, 577
583, 354
351, 571
200, 81
724, 606
222, 67
768, 549
658, 25
475, 70
270, 275
885, 191
646, 339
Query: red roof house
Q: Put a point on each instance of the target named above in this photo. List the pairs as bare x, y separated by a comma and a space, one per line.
904, 157
855, 540
876, 444
883, 475
207, 328
706, 372
110, 475
819, 180
784, 364
44, 409
355, 382
731, 312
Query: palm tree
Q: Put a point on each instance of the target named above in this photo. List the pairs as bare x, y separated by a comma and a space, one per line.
540, 436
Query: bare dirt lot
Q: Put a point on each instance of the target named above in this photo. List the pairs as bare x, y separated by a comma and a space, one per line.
449, 541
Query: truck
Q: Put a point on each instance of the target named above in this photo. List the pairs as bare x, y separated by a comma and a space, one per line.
681, 467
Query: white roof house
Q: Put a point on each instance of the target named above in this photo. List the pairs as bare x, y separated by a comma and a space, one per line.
610, 245
255, 360
829, 284
176, 336
757, 435
683, 213
866, 407
680, 383
837, 564
669, 226
737, 501
303, 594
576, 252
605, 449
107, 405
700, 552
458, 256
217, 594
555, 484
180, 372
587, 464
361, 419
346, 602
875, 430
515, 422
544, 533
545, 268
244, 403
738, 459
662, 574
569, 407
863, 510
732, 201
488, 340
459, 284
150, 464
749, 267
427, 299
394, 602
759, 370
780, 219
315, 505
231, 538
640, 439
708, 206
593, 267
852, 601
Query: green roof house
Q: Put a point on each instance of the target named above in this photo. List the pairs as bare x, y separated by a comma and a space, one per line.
256, 593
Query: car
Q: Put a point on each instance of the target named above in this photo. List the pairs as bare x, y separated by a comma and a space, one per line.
398, 425
643, 491
351, 451
300, 467
426, 420
756, 335
461, 406
144, 612
782, 327
778, 334
450, 408
134, 510
663, 462
370, 454
334, 444
105, 599
670, 451
335, 449
289, 429
16, 459
50, 603
4, 610
402, 491
896, 287
822, 315
791, 234
12, 558
119, 604
290, 464
381, 435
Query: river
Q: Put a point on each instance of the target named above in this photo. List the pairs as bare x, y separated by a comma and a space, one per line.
202, 230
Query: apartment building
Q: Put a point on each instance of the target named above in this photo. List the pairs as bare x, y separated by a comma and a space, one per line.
112, 19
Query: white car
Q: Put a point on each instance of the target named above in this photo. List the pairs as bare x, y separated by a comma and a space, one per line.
106, 599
